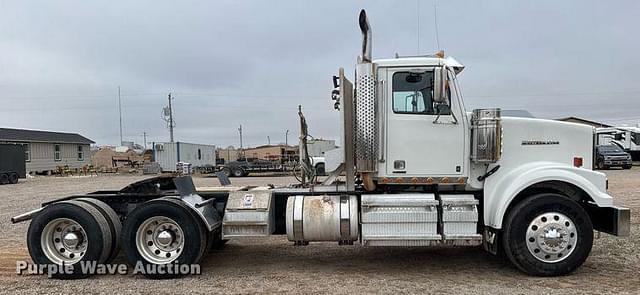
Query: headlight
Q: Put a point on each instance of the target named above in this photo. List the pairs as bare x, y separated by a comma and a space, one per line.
607, 158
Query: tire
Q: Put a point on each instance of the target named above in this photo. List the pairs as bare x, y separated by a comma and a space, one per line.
115, 226
540, 214
13, 178
320, 169
626, 167
4, 178
189, 236
68, 215
226, 171
238, 172
600, 165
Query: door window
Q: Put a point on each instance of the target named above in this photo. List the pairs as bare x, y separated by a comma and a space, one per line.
413, 94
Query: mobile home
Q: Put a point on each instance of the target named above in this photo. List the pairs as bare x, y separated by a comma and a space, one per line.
46, 150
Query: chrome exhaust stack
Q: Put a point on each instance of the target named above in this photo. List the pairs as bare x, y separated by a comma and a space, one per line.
366, 107
366, 37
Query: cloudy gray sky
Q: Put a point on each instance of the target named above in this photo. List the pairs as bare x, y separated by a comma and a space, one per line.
253, 62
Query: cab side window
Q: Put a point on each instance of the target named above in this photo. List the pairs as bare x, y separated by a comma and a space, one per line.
413, 94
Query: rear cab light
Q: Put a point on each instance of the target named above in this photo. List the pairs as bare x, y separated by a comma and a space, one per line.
577, 161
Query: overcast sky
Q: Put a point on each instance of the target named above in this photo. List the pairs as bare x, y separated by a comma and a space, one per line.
252, 62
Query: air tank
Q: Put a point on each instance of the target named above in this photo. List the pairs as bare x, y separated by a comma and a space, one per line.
486, 135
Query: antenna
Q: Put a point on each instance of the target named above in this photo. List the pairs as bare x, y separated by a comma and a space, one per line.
435, 21
418, 25
120, 112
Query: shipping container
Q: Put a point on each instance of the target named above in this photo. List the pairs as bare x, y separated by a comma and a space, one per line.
167, 154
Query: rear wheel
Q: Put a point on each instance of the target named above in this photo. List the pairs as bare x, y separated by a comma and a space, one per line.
13, 178
163, 232
547, 235
69, 233
226, 171
4, 178
115, 226
320, 169
238, 172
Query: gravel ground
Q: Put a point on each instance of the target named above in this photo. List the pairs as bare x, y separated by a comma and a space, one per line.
274, 265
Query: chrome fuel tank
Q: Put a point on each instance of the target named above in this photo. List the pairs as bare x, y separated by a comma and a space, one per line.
322, 218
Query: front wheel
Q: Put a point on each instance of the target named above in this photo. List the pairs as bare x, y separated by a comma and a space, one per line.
547, 235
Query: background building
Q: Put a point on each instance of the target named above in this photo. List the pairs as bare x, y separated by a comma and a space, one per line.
46, 150
278, 152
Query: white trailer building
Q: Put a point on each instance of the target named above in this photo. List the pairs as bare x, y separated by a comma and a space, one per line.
167, 154
317, 147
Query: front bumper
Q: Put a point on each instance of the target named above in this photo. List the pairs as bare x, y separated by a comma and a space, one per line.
612, 220
617, 162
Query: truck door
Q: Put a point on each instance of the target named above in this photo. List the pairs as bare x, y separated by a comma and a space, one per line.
418, 142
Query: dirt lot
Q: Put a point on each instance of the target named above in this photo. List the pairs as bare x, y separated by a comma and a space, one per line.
274, 265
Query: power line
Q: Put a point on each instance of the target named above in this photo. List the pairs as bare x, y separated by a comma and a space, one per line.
418, 25
558, 94
435, 21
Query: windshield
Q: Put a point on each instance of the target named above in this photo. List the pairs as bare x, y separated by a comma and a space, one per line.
608, 149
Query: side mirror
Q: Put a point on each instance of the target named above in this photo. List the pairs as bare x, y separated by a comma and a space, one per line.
441, 85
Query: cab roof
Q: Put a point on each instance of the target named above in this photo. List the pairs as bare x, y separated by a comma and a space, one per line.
427, 60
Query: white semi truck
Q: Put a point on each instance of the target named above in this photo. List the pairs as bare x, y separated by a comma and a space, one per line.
420, 171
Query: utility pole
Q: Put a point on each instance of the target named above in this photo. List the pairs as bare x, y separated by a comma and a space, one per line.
241, 152
240, 131
171, 124
144, 135
286, 138
120, 112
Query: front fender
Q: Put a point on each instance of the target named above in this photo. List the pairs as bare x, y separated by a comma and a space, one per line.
501, 188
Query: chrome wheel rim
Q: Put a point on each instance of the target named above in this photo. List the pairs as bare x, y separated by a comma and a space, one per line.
551, 237
159, 240
64, 241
